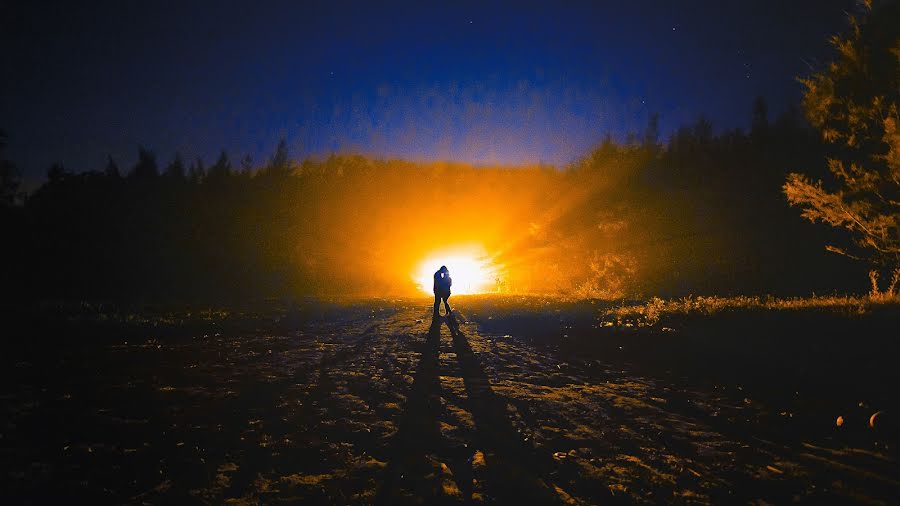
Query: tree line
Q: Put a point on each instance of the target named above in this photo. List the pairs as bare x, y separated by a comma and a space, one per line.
700, 213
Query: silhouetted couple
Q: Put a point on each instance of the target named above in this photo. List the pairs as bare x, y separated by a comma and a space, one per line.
442, 284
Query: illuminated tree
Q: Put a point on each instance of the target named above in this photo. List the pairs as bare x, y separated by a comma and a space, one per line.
854, 104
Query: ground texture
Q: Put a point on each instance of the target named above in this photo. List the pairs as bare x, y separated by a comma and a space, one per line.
382, 403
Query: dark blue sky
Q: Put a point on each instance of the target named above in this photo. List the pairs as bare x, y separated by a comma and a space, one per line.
484, 82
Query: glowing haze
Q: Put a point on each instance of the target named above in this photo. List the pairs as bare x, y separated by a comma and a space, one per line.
470, 269
380, 227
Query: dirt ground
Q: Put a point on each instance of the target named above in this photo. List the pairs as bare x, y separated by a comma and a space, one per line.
378, 402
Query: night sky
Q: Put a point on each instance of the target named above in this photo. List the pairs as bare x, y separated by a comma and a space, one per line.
482, 82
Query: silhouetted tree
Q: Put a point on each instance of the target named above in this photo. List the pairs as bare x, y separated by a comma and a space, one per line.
197, 172
651, 133
220, 170
112, 168
57, 173
855, 104
175, 170
9, 176
146, 167
247, 165
759, 124
702, 131
280, 164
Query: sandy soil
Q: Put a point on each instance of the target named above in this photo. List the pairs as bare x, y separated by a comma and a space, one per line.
382, 404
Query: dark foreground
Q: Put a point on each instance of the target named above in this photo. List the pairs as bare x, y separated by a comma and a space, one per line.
511, 401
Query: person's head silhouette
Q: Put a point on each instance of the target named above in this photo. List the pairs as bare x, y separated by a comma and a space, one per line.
443, 270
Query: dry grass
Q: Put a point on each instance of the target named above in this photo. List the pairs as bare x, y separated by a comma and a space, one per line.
656, 309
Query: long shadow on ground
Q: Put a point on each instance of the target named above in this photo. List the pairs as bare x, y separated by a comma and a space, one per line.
425, 466
419, 433
514, 470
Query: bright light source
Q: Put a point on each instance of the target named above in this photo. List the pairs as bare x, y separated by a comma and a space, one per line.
470, 271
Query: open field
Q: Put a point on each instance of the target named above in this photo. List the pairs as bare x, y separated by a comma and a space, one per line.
512, 399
